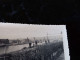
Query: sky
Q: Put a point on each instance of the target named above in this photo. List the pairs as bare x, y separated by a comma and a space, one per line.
15, 31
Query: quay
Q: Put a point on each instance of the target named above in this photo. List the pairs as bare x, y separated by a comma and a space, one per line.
50, 51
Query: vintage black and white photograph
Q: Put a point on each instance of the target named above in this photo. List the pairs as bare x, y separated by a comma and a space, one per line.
33, 42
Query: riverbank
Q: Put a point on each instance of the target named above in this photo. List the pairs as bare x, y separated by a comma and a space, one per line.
49, 51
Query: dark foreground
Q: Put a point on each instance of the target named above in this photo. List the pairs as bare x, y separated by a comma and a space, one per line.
50, 51
61, 57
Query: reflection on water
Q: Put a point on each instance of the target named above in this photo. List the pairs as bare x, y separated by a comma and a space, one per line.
8, 49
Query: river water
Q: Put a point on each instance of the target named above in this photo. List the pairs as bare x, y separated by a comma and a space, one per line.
8, 49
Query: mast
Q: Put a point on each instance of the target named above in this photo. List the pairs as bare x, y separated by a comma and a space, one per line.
34, 38
47, 38
61, 32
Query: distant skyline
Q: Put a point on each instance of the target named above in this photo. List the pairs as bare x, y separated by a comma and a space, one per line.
15, 31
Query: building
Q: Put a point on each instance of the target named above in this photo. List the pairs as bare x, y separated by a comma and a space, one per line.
4, 41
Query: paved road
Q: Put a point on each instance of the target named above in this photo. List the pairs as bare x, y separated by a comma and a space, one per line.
61, 57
